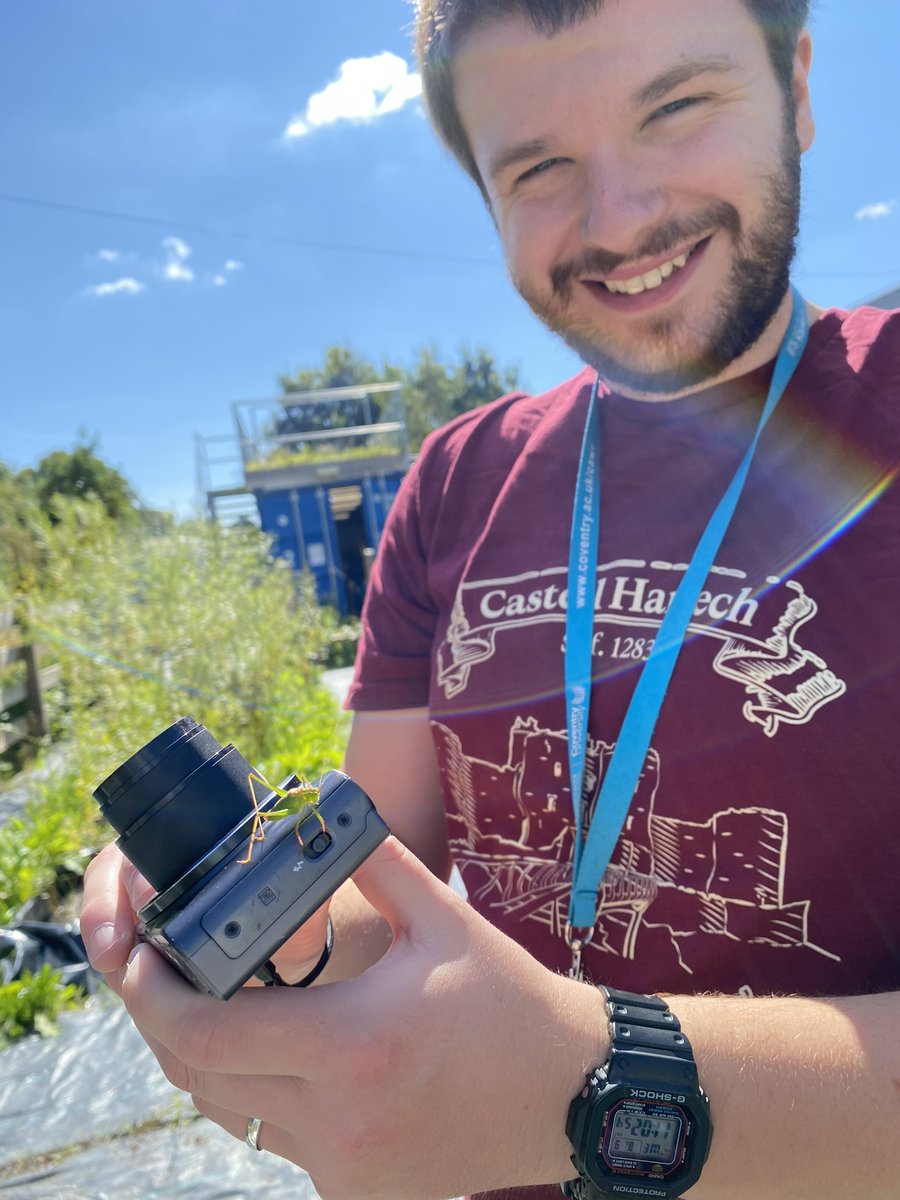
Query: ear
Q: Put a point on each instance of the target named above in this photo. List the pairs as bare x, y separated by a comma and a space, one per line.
805, 123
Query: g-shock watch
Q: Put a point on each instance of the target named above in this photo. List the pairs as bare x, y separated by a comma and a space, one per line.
641, 1125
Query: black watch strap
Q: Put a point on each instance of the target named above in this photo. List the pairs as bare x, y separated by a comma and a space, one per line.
646, 1042
647, 1046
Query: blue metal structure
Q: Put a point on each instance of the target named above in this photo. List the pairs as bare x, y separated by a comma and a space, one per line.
307, 535
324, 468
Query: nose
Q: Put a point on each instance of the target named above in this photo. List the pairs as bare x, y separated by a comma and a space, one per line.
623, 202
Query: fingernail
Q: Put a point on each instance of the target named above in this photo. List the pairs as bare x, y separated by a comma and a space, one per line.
103, 939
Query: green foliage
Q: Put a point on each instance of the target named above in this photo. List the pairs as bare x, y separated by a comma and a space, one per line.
49, 836
80, 473
342, 643
434, 391
336, 453
33, 1003
150, 626
152, 620
198, 620
30, 502
342, 368
24, 534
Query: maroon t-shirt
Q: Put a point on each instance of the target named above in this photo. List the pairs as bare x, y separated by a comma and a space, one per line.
761, 850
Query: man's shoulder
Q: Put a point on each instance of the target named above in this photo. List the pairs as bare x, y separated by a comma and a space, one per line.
499, 430
851, 382
867, 338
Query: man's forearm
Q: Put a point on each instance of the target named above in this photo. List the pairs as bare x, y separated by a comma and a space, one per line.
805, 1095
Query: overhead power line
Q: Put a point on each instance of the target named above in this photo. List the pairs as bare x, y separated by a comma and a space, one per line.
171, 223
467, 260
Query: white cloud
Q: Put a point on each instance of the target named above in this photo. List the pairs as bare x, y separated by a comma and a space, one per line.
366, 89
875, 212
175, 267
177, 254
121, 287
228, 268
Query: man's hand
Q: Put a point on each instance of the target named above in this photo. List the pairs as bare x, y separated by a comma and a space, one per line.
114, 891
446, 1067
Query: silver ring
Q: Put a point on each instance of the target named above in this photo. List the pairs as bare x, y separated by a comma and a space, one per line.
251, 1137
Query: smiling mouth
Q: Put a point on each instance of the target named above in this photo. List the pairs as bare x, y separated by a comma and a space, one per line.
650, 280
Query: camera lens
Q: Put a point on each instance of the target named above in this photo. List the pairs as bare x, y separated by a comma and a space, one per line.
175, 799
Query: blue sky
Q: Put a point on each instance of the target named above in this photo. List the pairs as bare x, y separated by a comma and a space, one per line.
251, 251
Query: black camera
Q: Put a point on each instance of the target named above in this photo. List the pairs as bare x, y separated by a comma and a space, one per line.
232, 884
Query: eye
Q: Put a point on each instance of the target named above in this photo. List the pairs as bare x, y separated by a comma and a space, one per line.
675, 106
538, 169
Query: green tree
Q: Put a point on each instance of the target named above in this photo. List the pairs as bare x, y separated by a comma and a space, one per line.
30, 504
434, 390
342, 368
81, 473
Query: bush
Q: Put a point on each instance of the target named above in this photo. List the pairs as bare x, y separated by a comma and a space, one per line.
342, 643
50, 837
197, 620
150, 627
33, 1003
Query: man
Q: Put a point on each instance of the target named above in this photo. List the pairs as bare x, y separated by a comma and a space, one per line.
641, 162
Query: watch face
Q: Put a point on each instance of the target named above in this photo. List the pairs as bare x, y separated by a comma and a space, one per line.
644, 1138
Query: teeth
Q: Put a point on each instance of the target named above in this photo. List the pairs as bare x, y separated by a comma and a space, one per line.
649, 281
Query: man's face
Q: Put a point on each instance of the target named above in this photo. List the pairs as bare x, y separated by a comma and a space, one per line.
642, 167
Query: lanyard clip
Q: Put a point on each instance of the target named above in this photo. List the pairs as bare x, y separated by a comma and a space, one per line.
576, 939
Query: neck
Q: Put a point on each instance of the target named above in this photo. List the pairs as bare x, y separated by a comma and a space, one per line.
764, 350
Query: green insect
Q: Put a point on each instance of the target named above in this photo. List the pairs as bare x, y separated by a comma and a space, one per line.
303, 801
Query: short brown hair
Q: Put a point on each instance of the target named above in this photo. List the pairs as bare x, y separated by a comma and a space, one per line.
442, 24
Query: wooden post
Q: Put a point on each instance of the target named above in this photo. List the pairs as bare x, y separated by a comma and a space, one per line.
37, 718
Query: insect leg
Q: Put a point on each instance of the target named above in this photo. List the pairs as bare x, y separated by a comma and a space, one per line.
257, 833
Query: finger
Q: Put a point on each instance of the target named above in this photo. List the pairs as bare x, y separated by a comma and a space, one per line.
229, 1100
271, 1137
405, 892
269, 1097
140, 892
281, 1031
264, 1031
107, 917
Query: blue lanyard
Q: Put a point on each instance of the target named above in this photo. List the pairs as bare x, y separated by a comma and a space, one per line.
592, 856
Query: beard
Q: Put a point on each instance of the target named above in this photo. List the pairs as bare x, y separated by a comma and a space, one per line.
684, 355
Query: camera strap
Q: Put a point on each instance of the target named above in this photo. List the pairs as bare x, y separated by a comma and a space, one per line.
271, 978
592, 855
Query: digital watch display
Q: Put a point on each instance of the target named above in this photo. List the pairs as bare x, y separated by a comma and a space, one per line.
642, 1134
641, 1125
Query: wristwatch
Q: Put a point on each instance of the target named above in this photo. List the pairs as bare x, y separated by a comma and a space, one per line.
641, 1125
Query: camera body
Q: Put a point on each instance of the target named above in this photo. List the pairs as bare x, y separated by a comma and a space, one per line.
222, 930
219, 920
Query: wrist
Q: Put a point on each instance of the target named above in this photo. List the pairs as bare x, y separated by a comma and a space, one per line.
581, 1043
640, 1124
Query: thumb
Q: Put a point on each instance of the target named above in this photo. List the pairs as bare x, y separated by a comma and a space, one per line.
402, 888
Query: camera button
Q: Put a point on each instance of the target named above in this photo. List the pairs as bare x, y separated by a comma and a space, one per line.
318, 845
